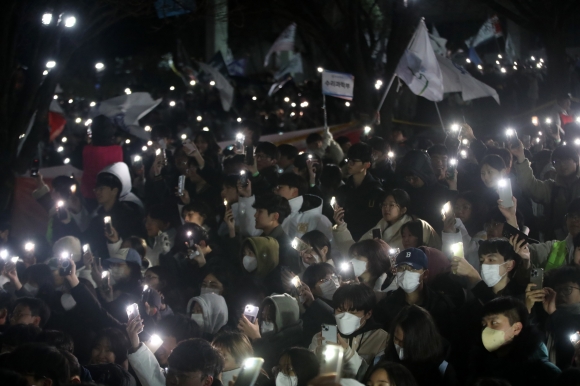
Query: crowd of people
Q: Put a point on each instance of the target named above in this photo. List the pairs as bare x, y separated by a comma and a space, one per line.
455, 263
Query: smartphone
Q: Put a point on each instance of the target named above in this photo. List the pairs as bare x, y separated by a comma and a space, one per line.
189, 146
512, 137
537, 278
108, 225
504, 189
86, 248
457, 250
296, 282
329, 333
574, 338
251, 312
249, 155
154, 343
61, 211
181, 185
509, 231
347, 271
331, 361
239, 144
244, 178
333, 203
65, 267
137, 162
300, 245
377, 233
35, 167
133, 311
250, 371
451, 168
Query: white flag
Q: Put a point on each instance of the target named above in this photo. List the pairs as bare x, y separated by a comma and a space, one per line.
285, 42
439, 44
490, 29
224, 87
457, 79
511, 48
419, 68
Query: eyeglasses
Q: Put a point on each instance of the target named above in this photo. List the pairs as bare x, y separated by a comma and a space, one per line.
353, 161
566, 290
390, 205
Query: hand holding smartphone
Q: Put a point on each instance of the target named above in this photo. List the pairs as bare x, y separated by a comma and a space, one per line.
329, 333
251, 312
133, 311
250, 371
331, 361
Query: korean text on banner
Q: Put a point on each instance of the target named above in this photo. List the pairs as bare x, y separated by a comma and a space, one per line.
337, 84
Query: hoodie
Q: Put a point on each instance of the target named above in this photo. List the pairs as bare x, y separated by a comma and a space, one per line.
95, 158
426, 201
266, 250
214, 309
121, 171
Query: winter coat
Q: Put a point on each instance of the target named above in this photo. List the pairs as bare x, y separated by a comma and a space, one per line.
564, 322
390, 234
214, 311
363, 346
95, 158
146, 367
289, 257
552, 254
362, 204
526, 364
554, 195
330, 149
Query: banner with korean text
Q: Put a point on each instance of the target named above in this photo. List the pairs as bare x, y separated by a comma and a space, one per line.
337, 84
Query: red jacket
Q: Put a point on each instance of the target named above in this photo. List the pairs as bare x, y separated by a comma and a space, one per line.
95, 159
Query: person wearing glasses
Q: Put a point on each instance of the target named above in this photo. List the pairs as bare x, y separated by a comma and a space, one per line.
555, 194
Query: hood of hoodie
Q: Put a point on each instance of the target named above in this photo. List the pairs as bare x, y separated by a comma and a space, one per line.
267, 253
70, 245
287, 310
121, 171
419, 164
311, 203
215, 311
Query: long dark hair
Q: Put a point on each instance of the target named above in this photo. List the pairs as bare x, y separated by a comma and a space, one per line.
415, 227
131, 284
317, 240
477, 219
422, 342
398, 374
304, 363
118, 343
213, 148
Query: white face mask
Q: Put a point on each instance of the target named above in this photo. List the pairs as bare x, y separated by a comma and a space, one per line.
32, 290
400, 352
116, 273
360, 267
229, 375
328, 288
67, 301
347, 323
490, 274
198, 318
286, 380
408, 281
492, 339
267, 327
250, 263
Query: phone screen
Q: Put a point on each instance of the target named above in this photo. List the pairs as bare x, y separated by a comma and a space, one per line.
250, 372
251, 312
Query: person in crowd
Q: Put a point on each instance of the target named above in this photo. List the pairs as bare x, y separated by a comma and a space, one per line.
252, 132
389, 373
260, 261
110, 346
511, 349
18, 335
322, 281
330, 183
40, 365
204, 183
194, 362
427, 195
360, 196
30, 311
320, 249
412, 268
439, 160
382, 168
306, 210
394, 210
344, 143
324, 146
465, 224
555, 195
361, 337
401, 140
209, 311
271, 211
297, 367
208, 147
235, 347
277, 327
371, 264
415, 342
561, 301
161, 229
288, 154
267, 155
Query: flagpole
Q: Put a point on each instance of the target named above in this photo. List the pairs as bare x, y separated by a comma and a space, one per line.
378, 113
440, 119
324, 108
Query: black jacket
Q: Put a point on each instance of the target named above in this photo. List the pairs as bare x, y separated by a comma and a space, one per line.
362, 205
561, 324
524, 364
289, 257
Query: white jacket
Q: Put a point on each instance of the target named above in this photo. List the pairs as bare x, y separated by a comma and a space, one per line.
146, 367
295, 225
470, 244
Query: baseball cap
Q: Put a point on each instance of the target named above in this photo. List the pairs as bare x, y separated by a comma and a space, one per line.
414, 257
125, 255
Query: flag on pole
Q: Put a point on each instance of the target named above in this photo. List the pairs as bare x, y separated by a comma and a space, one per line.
474, 57
439, 44
224, 87
457, 79
337, 84
285, 42
490, 29
511, 48
419, 68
